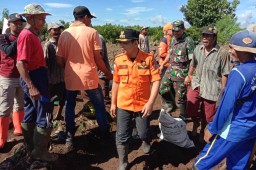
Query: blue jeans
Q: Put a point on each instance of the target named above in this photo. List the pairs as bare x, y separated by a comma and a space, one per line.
125, 126
38, 111
97, 99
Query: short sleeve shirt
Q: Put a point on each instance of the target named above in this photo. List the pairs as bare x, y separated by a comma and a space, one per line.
180, 53
55, 71
209, 70
134, 80
77, 45
29, 49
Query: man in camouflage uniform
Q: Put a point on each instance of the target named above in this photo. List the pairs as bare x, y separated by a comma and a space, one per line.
172, 89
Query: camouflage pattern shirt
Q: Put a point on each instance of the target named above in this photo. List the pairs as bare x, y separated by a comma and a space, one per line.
180, 52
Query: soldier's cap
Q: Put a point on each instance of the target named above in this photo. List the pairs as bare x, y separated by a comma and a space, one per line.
127, 35
81, 11
33, 9
244, 41
168, 26
210, 30
178, 25
15, 17
143, 27
54, 25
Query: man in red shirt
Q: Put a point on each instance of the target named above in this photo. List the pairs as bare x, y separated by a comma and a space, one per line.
37, 122
11, 94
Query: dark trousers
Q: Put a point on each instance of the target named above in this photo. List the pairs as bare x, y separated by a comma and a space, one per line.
125, 126
96, 97
38, 111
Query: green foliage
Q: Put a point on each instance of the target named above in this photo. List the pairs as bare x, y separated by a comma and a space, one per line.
110, 32
5, 14
201, 13
226, 26
195, 33
64, 23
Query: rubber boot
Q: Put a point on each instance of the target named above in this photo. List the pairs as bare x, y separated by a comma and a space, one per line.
168, 103
17, 118
196, 124
4, 126
122, 151
182, 111
28, 133
145, 147
41, 140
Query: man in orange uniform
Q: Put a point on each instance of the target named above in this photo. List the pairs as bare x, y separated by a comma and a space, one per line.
131, 98
163, 47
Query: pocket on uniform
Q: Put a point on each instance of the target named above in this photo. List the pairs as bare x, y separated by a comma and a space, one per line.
3, 89
123, 73
144, 75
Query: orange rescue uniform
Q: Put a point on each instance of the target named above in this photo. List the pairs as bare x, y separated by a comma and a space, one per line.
163, 49
134, 80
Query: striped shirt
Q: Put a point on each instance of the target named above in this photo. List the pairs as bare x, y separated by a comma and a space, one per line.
55, 72
209, 70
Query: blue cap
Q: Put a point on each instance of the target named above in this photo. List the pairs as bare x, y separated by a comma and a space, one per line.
244, 41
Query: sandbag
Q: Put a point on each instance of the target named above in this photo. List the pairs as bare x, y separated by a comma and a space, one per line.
174, 130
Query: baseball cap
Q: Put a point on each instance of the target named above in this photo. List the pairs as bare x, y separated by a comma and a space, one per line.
54, 25
210, 30
127, 35
244, 41
167, 27
177, 25
81, 11
15, 17
33, 9
143, 27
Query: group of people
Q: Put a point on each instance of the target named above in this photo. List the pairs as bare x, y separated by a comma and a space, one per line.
196, 79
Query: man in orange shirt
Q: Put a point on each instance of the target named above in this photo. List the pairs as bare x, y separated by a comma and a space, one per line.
163, 47
131, 98
79, 49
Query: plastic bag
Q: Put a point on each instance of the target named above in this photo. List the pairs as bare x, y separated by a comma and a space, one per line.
174, 130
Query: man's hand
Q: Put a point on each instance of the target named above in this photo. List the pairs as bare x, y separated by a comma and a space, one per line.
161, 68
34, 93
113, 110
207, 135
187, 81
147, 110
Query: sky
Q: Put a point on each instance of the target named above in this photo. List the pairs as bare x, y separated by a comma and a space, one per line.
124, 12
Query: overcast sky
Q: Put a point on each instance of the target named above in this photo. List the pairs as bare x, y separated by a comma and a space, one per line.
125, 12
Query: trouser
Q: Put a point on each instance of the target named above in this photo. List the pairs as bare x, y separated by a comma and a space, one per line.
173, 93
11, 96
237, 154
125, 126
38, 111
96, 97
104, 83
208, 107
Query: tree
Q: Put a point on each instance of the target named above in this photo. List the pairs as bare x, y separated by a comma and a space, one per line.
226, 26
5, 14
201, 13
64, 23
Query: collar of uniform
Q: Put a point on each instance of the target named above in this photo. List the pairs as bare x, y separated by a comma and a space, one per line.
77, 23
136, 59
215, 48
